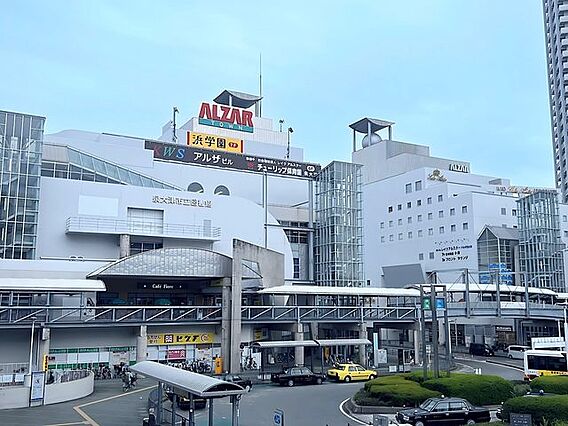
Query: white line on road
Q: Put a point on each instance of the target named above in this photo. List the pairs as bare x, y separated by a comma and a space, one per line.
479, 361
348, 415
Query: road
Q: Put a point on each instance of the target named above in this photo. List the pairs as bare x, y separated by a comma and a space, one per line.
512, 371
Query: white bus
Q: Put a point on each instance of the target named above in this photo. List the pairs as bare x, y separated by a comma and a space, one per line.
544, 363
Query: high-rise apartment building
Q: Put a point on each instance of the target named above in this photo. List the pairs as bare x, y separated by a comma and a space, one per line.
556, 29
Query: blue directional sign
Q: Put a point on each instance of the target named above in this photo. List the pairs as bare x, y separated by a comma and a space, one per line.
278, 417
440, 303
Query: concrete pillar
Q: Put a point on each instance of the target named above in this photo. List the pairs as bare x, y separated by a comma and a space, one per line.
226, 323
416, 338
142, 344
43, 345
124, 245
236, 294
299, 350
441, 334
363, 348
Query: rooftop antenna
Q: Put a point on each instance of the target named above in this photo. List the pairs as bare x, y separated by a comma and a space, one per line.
174, 136
260, 85
281, 122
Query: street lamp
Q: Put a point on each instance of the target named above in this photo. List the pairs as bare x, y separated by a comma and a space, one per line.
290, 131
32, 345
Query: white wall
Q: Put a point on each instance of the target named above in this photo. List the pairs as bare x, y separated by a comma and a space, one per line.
14, 397
61, 392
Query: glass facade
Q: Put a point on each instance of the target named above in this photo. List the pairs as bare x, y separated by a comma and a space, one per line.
497, 253
339, 226
541, 255
21, 139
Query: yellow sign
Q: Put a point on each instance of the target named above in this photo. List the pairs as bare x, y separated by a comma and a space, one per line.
180, 338
217, 143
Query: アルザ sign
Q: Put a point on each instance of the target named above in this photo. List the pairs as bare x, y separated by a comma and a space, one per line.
226, 117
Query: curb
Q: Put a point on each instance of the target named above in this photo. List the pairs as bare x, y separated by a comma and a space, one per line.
516, 367
374, 409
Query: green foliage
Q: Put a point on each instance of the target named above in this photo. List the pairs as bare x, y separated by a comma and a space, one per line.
418, 376
520, 389
545, 410
477, 389
551, 384
393, 391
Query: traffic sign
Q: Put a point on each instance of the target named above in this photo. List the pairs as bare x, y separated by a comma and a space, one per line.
278, 417
426, 303
440, 303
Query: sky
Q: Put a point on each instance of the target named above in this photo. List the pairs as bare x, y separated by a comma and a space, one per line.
467, 78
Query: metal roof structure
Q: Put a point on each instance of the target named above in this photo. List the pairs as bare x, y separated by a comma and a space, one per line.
186, 381
502, 232
492, 288
340, 291
362, 126
309, 343
237, 99
52, 285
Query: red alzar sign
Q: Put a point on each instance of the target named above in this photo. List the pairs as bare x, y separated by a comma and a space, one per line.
226, 114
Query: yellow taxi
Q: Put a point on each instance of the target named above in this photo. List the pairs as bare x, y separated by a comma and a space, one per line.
348, 372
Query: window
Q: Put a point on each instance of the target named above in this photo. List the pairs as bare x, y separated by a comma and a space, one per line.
399, 207
296, 267
400, 222
441, 230
418, 203
409, 235
441, 213
408, 188
566, 233
429, 200
408, 205
514, 212
564, 218
195, 187
418, 185
420, 256
503, 211
420, 233
409, 219
419, 218
430, 216
465, 226
464, 209
221, 190
440, 198
145, 220
391, 237
382, 239
400, 236
431, 255
391, 223
430, 231
452, 212
382, 225
453, 228
390, 209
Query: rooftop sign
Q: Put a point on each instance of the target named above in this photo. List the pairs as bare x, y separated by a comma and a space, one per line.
230, 160
226, 117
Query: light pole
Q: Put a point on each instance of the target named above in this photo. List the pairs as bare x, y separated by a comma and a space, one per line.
290, 131
32, 346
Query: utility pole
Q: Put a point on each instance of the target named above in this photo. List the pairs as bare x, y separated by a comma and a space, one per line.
174, 135
423, 332
435, 348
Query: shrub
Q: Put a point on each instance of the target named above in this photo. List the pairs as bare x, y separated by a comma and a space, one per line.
394, 391
551, 384
544, 410
418, 376
387, 380
477, 389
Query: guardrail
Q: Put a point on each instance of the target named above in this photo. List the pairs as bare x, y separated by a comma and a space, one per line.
100, 315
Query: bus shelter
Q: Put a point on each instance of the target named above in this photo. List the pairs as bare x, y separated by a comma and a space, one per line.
189, 385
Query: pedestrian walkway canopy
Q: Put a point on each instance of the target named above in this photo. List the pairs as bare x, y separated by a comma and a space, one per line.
308, 343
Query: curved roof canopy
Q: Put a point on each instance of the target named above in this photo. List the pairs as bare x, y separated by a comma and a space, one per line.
239, 99
170, 262
186, 382
362, 126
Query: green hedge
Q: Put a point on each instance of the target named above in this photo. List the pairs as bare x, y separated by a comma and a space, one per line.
418, 376
551, 384
544, 410
477, 389
393, 391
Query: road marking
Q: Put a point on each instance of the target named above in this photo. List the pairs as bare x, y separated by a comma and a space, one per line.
480, 361
467, 366
88, 419
348, 415
69, 424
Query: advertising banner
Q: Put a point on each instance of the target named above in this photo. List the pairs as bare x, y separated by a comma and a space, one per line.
180, 338
216, 143
37, 390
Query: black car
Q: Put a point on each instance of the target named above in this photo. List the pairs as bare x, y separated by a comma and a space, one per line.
482, 349
184, 403
297, 376
445, 411
235, 378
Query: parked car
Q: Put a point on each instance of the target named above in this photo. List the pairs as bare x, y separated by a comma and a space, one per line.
444, 411
516, 351
183, 403
541, 393
482, 349
297, 376
234, 378
348, 372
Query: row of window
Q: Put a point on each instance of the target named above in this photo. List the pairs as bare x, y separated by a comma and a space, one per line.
417, 186
418, 203
419, 217
420, 232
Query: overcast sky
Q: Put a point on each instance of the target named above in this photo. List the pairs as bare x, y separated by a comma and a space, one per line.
467, 78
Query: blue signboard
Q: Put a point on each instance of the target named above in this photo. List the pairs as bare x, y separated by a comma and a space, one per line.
278, 417
440, 303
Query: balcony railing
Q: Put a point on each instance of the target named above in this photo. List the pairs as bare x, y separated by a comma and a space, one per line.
95, 225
